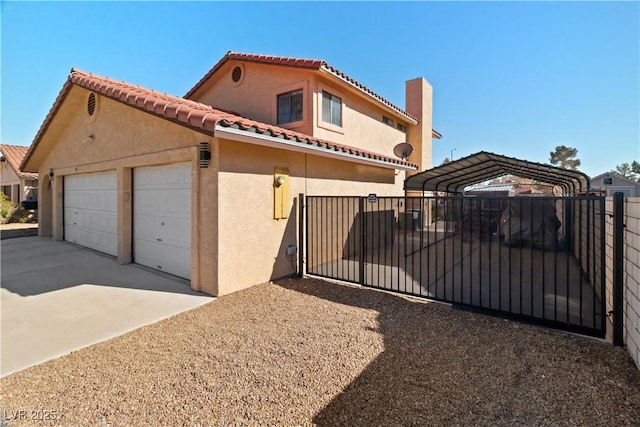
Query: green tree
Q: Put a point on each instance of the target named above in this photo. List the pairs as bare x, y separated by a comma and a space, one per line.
635, 168
564, 157
629, 171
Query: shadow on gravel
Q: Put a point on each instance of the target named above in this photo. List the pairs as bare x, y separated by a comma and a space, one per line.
441, 366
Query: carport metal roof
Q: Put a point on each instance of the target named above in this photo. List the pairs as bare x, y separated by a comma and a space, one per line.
453, 177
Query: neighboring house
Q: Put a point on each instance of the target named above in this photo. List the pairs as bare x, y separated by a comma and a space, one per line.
611, 182
189, 187
16, 184
493, 190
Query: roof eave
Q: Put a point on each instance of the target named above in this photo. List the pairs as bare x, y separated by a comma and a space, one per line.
208, 123
24, 166
386, 105
309, 147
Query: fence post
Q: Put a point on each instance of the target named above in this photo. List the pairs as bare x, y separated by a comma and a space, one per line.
362, 241
618, 269
302, 220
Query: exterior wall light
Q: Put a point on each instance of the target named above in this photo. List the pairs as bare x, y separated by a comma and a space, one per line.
50, 174
89, 139
280, 180
205, 155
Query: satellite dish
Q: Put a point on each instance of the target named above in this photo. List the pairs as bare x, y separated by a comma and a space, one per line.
403, 150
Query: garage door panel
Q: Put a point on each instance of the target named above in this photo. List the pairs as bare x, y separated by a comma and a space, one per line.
162, 202
173, 261
162, 218
144, 229
97, 181
102, 200
90, 211
148, 202
171, 231
164, 177
99, 221
100, 241
183, 205
175, 231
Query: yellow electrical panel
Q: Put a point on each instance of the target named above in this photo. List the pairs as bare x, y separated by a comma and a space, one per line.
281, 193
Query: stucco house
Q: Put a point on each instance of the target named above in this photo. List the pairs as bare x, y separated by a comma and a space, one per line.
205, 186
15, 182
609, 183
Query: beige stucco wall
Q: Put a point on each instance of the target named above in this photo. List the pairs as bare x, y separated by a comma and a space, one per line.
419, 103
362, 124
251, 243
125, 138
18, 185
9, 177
236, 243
255, 97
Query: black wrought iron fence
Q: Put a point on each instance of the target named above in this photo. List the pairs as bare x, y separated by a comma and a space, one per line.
539, 259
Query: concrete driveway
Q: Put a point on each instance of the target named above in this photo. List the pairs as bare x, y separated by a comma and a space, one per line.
57, 298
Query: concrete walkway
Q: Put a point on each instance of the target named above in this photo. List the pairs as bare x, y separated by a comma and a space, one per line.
57, 298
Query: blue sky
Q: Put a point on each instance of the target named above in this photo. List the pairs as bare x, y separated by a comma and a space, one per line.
512, 78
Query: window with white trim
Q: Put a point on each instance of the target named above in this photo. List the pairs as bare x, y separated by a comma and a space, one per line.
290, 107
331, 109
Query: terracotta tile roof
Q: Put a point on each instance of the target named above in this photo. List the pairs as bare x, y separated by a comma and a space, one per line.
312, 64
14, 154
195, 115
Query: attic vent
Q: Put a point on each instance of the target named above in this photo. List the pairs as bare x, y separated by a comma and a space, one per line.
91, 104
236, 74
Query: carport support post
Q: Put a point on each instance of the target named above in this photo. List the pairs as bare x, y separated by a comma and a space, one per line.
618, 269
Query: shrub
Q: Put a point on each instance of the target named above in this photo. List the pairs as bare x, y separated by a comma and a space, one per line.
11, 212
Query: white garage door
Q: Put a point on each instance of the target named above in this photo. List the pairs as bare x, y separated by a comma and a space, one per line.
162, 218
90, 211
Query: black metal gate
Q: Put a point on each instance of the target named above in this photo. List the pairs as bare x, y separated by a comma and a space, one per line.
538, 259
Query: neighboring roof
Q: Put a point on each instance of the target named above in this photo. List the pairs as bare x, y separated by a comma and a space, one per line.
309, 64
616, 175
454, 176
489, 188
206, 119
14, 154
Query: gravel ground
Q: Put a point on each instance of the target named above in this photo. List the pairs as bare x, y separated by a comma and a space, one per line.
303, 352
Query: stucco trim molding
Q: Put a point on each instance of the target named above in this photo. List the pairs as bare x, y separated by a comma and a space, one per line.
281, 143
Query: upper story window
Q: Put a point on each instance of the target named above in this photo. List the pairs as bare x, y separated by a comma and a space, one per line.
331, 109
401, 127
386, 120
607, 181
290, 107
